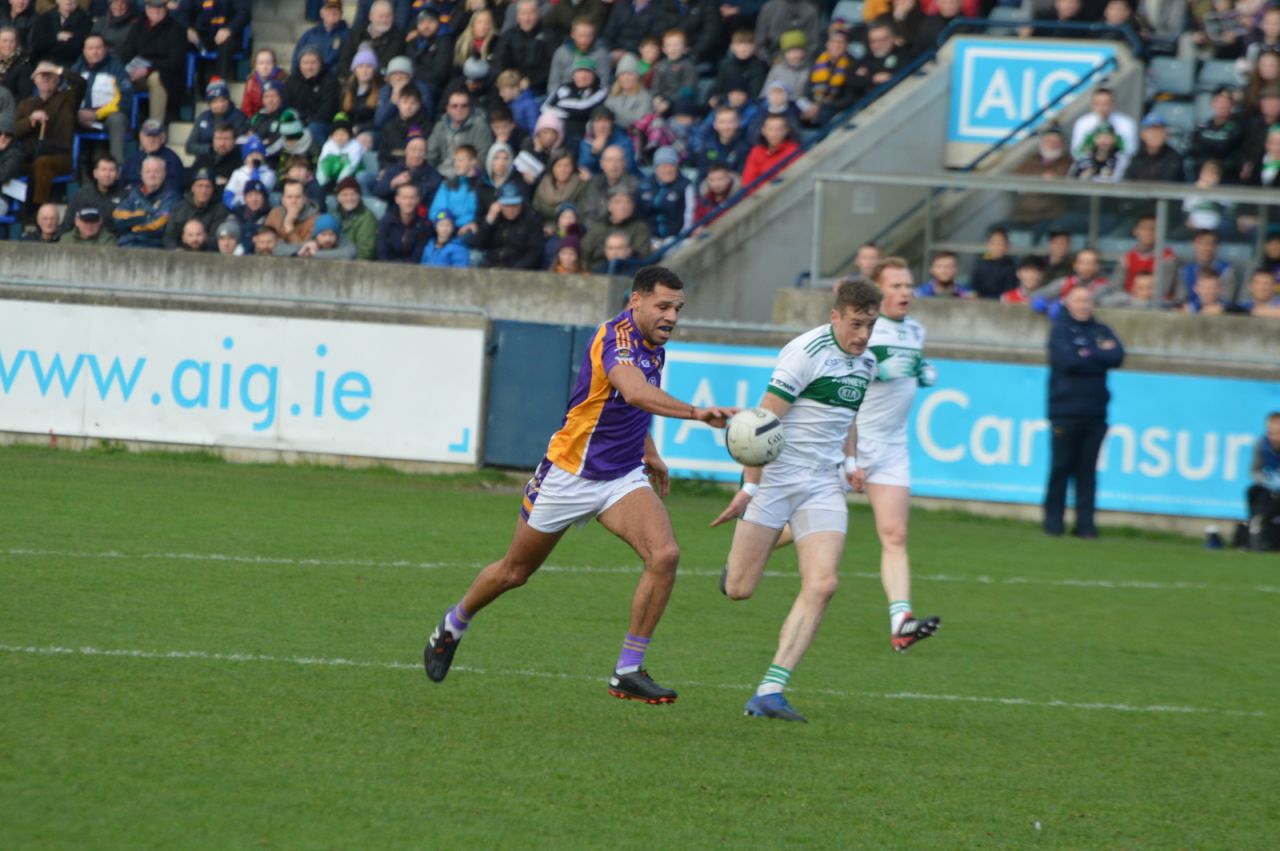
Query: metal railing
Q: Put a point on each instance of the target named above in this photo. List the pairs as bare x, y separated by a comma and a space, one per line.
1142, 192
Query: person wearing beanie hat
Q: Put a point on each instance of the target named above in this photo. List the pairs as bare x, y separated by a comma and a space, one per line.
359, 224
364, 56
266, 69
779, 17
227, 239
792, 70
445, 249
431, 49
327, 241
629, 100
778, 100
342, 155
266, 123
312, 92
201, 202
569, 256
220, 111
296, 136
252, 213
573, 101
378, 33
667, 198
326, 38
583, 41
254, 169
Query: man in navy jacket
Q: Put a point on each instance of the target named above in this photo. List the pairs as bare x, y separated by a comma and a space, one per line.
1081, 352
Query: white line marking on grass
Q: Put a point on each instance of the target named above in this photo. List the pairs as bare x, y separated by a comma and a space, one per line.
1158, 709
287, 561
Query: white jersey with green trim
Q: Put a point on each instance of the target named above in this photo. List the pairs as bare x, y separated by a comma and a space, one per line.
898, 347
825, 386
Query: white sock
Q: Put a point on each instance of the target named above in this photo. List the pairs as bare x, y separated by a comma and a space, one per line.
899, 611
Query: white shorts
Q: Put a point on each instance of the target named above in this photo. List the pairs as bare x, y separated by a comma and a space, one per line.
554, 498
885, 463
810, 499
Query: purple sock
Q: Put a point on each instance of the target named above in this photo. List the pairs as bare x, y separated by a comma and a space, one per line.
632, 655
458, 619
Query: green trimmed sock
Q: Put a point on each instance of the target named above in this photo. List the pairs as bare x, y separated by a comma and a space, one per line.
898, 611
775, 680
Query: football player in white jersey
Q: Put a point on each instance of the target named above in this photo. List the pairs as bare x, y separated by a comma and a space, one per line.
816, 389
880, 434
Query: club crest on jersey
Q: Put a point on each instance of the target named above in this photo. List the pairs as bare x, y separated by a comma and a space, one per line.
849, 393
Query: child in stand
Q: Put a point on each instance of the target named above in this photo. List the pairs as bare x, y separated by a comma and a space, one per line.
254, 169
1030, 279
521, 102
445, 250
650, 50
266, 69
569, 256
342, 155
675, 75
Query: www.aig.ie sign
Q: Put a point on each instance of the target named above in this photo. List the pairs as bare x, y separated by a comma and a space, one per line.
997, 84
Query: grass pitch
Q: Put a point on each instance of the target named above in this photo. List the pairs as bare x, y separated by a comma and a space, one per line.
200, 655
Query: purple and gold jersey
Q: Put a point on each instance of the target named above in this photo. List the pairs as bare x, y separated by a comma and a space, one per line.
602, 437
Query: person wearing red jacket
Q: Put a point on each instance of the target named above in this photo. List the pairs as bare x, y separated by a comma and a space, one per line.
775, 146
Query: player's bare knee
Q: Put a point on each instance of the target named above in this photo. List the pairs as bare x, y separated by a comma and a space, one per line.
822, 588
893, 536
514, 575
664, 559
738, 589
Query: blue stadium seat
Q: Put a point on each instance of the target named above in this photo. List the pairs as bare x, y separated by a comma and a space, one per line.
12, 219
1215, 73
1169, 76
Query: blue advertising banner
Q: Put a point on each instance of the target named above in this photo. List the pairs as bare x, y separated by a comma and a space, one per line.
1177, 444
997, 84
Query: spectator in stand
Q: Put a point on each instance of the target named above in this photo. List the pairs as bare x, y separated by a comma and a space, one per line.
1065, 12
676, 74
1262, 531
527, 49
1082, 351
719, 185
1257, 124
265, 123
1102, 162
793, 68
404, 230
602, 132
298, 167
160, 66
1104, 112
740, 68
621, 217
726, 145
880, 63
220, 112
360, 97
217, 27
630, 21
1030, 280
667, 198
1155, 160
582, 44
409, 118
312, 92
1058, 260
251, 214
46, 225
504, 128
1038, 211
15, 65
562, 15
266, 243
1206, 295
560, 184
574, 101
202, 203
88, 229
906, 17
379, 34
327, 242
995, 273
1207, 212
619, 257
535, 152
194, 237
359, 225
21, 15
431, 49
476, 77
943, 283
1220, 136
1141, 260
1142, 295
629, 100
569, 256
119, 28
778, 100
1266, 74
511, 234
926, 33
457, 195
783, 16
1265, 171
342, 154
414, 169
1264, 295
1204, 255
613, 176
326, 37
520, 101
108, 94
445, 249
227, 238
865, 261
1264, 39
1086, 274
141, 217
102, 193
478, 39
45, 124
776, 150
253, 169
831, 86
295, 218
459, 125
11, 156
58, 35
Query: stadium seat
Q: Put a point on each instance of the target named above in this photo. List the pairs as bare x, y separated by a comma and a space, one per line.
1242, 254
1013, 14
1169, 76
1179, 116
1204, 106
12, 219
1215, 73
194, 57
849, 11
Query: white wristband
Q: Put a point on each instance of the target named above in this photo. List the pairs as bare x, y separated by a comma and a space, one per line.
750, 488
850, 465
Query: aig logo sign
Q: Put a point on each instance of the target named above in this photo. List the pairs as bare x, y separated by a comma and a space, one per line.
997, 84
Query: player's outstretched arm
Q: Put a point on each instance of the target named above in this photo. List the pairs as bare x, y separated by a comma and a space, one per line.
630, 382
751, 475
